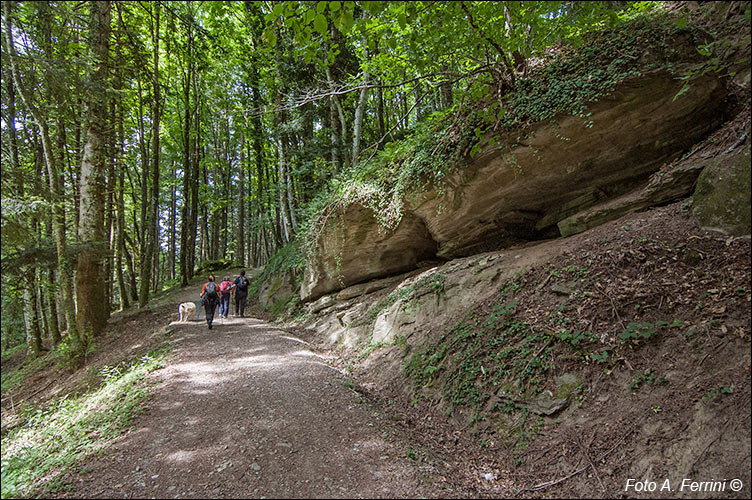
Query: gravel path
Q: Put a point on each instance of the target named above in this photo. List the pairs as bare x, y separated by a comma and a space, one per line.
247, 410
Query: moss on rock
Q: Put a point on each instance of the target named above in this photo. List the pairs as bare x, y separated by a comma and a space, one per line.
722, 195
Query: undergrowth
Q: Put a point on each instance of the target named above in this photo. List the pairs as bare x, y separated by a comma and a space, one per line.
494, 349
12, 378
52, 440
288, 259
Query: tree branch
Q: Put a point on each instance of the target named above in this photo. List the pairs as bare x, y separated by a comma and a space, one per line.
502, 53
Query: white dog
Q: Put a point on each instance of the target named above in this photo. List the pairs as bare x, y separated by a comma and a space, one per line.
185, 310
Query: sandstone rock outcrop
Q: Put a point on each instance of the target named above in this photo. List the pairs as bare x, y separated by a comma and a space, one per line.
277, 289
354, 248
521, 189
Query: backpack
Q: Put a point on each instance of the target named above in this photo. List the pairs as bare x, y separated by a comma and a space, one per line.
242, 284
224, 287
211, 291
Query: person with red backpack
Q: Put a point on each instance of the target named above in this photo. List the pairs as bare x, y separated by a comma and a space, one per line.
210, 298
225, 291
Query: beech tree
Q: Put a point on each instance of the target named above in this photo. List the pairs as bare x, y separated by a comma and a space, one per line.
90, 280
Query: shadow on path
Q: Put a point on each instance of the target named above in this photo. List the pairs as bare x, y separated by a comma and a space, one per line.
246, 410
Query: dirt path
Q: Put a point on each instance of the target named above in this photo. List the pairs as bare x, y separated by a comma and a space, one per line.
247, 410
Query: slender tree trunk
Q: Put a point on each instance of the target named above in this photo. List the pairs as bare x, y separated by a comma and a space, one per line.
52, 308
291, 201
335, 112
120, 244
31, 317
186, 227
110, 212
131, 267
151, 225
285, 225
40, 304
240, 230
358, 120
172, 243
380, 113
196, 172
125, 302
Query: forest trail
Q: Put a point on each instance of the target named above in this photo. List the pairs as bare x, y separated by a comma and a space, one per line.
247, 410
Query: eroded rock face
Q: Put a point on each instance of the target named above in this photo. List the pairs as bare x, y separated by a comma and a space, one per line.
354, 248
277, 288
522, 189
565, 166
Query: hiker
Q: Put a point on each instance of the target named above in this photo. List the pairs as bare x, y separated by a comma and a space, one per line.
241, 293
225, 291
210, 298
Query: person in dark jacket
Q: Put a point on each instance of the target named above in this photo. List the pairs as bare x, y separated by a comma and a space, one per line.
210, 298
241, 293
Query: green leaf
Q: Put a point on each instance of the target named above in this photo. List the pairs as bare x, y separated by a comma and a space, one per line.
401, 20
320, 7
347, 20
682, 22
271, 38
320, 24
373, 7
335, 6
682, 91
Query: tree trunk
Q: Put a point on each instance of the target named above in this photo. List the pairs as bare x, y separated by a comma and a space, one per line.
120, 183
291, 201
196, 172
358, 120
89, 280
130, 266
186, 227
31, 316
240, 230
52, 308
120, 240
172, 241
151, 224
285, 225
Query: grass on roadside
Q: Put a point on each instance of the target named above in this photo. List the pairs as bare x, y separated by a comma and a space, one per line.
36, 455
